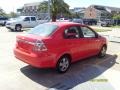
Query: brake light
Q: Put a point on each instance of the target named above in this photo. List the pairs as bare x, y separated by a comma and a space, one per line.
39, 46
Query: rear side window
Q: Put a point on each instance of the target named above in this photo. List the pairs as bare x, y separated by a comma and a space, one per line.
33, 19
43, 29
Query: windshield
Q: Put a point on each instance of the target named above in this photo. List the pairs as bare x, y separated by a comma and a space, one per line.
43, 29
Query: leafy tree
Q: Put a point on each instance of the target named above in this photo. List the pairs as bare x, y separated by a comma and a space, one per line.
2, 13
12, 14
116, 16
57, 7
43, 7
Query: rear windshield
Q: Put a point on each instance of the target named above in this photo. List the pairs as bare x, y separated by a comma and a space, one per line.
43, 29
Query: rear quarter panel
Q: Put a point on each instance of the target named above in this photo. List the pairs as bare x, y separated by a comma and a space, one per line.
56, 45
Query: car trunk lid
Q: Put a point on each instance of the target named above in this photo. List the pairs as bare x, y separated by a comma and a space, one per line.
26, 42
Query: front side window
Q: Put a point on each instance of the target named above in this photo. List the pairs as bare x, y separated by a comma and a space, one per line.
72, 33
27, 19
87, 33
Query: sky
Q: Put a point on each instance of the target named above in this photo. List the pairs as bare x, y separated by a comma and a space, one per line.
12, 5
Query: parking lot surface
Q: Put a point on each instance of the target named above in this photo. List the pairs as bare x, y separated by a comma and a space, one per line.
89, 74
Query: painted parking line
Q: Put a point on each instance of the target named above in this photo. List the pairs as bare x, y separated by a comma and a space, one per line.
109, 58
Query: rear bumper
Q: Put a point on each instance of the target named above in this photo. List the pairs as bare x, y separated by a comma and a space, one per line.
39, 61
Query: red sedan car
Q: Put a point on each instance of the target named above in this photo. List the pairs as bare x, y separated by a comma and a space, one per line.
58, 44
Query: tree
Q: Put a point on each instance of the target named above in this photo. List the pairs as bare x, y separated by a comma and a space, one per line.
43, 7
116, 16
2, 13
57, 7
12, 15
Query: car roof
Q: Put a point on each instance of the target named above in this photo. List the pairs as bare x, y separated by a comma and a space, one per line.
27, 16
61, 24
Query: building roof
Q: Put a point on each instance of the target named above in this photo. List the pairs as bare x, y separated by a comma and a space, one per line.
106, 8
78, 9
32, 4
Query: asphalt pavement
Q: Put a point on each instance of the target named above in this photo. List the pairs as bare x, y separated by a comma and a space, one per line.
89, 74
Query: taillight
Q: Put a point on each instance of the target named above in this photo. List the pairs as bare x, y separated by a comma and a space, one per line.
39, 46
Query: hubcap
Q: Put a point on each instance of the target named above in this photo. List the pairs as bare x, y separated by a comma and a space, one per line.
64, 64
18, 28
103, 51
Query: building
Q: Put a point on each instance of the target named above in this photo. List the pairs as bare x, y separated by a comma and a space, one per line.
100, 12
31, 9
78, 11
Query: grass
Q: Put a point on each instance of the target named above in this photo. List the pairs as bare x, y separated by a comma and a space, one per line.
118, 26
102, 30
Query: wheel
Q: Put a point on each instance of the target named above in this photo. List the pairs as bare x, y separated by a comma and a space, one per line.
18, 27
63, 64
102, 25
102, 52
4, 24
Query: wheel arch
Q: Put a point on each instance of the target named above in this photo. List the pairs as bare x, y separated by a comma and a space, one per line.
59, 61
65, 54
104, 45
18, 25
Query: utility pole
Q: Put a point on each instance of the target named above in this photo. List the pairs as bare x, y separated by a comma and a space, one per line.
49, 9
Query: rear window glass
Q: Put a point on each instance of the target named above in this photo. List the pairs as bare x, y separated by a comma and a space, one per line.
43, 29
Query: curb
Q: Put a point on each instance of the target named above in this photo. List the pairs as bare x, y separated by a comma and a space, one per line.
112, 38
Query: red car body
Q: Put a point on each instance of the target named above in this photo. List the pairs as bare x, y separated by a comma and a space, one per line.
45, 51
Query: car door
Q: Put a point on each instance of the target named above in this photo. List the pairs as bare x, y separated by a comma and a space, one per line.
91, 40
26, 22
75, 43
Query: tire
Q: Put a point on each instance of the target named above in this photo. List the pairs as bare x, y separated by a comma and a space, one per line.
12, 30
4, 24
102, 52
18, 27
63, 64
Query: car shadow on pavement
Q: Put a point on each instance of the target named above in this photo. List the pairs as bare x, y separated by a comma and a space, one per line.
15, 31
79, 73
